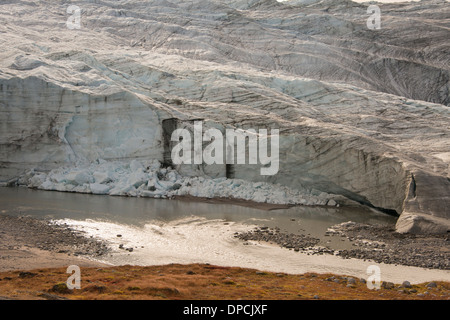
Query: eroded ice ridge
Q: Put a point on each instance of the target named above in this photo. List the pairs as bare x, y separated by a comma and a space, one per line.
150, 179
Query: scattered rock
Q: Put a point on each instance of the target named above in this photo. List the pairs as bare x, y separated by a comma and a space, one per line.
382, 244
298, 242
387, 285
406, 284
45, 235
377, 243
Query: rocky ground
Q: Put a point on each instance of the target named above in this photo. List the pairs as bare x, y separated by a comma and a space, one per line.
47, 236
382, 244
28, 243
370, 242
274, 235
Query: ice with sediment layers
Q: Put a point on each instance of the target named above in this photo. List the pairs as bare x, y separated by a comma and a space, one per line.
363, 114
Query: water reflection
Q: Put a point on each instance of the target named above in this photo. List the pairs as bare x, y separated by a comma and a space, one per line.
138, 211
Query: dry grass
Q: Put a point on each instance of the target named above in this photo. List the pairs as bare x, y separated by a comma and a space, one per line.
200, 282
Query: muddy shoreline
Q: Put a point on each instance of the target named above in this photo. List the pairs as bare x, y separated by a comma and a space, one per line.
384, 244
380, 244
28, 243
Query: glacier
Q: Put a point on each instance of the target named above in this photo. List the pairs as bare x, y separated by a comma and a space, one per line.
363, 114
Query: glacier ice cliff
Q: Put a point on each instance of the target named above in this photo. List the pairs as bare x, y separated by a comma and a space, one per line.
363, 114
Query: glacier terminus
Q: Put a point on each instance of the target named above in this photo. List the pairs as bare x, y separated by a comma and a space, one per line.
363, 113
